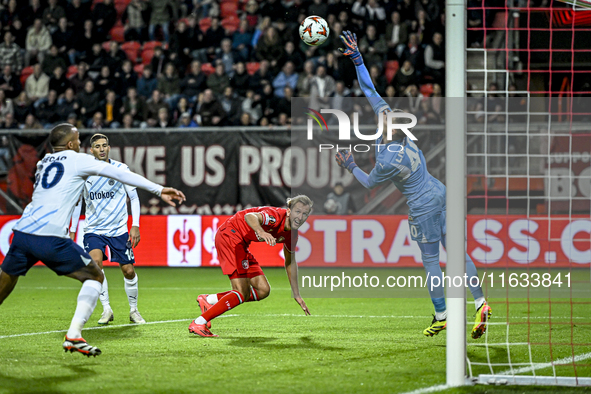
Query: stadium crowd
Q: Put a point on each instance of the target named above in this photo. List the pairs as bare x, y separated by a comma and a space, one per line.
191, 63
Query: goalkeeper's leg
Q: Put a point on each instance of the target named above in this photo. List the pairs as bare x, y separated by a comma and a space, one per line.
430, 256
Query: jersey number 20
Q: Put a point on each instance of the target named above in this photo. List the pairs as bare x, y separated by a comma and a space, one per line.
59, 173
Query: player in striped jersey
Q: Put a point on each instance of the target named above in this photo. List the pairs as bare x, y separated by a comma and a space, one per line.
41, 234
106, 225
400, 161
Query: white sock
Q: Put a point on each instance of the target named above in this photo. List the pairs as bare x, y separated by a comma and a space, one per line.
212, 299
87, 298
478, 302
200, 320
132, 291
441, 315
104, 296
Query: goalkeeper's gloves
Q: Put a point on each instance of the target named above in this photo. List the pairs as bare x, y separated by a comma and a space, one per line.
350, 41
345, 159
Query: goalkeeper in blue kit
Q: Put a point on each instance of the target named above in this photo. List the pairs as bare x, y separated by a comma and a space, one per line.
400, 161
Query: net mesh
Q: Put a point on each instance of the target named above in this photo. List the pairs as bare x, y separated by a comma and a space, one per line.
529, 187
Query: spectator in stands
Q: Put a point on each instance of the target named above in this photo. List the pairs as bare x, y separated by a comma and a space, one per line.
434, 59
169, 85
88, 100
406, 8
127, 77
232, 106
67, 105
52, 15
32, 12
6, 106
420, 27
85, 42
378, 78
429, 7
245, 120
9, 14
318, 7
105, 81
181, 43
283, 105
109, 107
163, 118
292, 54
337, 100
77, 15
163, 11
305, 79
405, 76
19, 34
218, 81
226, 56
414, 98
96, 122
38, 42
31, 123
74, 120
321, 87
186, 121
242, 40
372, 46
134, 21
64, 38
10, 83
37, 85
272, 9
212, 39
22, 107
263, 74
241, 80
252, 106
153, 106
287, 77
209, 109
181, 108
269, 47
53, 60
475, 34
10, 53
127, 122
252, 13
58, 81
372, 12
134, 105
115, 57
158, 61
104, 16
267, 101
426, 114
47, 111
194, 82
147, 83
79, 80
9, 123
396, 36
413, 52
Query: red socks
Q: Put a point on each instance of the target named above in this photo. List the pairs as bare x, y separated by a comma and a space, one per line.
254, 296
231, 300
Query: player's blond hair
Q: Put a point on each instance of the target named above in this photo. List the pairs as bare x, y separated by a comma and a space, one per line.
305, 200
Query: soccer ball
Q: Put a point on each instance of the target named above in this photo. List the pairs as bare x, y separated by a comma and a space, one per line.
314, 30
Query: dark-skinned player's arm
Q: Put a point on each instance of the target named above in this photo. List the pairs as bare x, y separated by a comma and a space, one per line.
291, 268
254, 221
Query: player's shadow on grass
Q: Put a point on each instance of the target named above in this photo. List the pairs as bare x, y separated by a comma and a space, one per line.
112, 332
304, 342
46, 384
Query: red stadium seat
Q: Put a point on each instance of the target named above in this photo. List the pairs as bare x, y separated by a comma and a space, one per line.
228, 9
207, 69
132, 50
152, 44
252, 68
106, 46
230, 24
72, 70
147, 55
138, 68
391, 69
204, 24
117, 33
427, 89
25, 74
120, 7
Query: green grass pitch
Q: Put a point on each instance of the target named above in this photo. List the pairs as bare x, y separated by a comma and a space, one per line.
346, 346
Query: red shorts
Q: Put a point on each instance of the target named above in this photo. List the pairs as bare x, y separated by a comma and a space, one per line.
235, 259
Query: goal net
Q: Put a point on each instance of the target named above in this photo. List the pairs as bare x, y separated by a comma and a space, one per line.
529, 189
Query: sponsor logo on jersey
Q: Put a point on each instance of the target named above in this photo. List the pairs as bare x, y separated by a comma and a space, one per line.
111, 182
101, 195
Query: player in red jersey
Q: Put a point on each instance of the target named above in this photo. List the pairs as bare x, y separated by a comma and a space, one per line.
263, 224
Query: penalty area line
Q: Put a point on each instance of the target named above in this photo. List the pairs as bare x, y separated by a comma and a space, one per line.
431, 389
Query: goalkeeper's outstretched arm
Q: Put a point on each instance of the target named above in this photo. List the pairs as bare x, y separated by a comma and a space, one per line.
350, 50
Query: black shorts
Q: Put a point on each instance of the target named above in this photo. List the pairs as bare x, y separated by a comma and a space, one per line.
120, 247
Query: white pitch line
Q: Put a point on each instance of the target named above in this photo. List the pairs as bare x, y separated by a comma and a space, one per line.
536, 366
431, 389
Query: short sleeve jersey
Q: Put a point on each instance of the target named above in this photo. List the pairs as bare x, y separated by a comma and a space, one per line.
59, 181
273, 223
